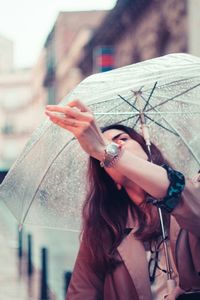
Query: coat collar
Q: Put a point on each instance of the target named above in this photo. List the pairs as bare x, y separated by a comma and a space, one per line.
136, 265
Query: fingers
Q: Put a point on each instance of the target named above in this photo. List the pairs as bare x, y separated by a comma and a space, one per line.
56, 108
80, 105
73, 115
75, 104
79, 115
60, 124
64, 120
74, 126
69, 112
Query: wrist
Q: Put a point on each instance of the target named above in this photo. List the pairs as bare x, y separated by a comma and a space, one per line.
112, 153
99, 153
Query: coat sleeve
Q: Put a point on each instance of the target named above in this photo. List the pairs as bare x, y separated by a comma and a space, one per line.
187, 246
84, 283
187, 212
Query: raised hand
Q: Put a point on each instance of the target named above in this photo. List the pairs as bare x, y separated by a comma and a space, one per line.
77, 118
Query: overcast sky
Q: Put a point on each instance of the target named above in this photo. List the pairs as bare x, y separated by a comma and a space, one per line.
28, 22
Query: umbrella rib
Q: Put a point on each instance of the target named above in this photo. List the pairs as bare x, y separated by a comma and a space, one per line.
146, 103
105, 101
187, 102
147, 117
131, 106
169, 83
115, 106
172, 98
186, 143
26, 213
152, 91
180, 135
128, 102
108, 110
149, 113
150, 120
103, 114
157, 122
136, 122
126, 119
162, 126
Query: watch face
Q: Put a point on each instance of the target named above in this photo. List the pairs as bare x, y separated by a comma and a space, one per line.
112, 149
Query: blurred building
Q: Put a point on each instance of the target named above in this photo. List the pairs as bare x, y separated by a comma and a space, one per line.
15, 95
24, 93
64, 46
193, 26
39, 92
22, 100
82, 43
6, 54
139, 30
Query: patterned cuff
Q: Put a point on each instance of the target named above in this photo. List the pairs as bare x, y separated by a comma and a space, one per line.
173, 196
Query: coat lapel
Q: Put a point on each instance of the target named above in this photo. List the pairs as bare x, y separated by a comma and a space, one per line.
133, 255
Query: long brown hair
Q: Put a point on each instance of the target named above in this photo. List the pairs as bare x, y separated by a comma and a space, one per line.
105, 210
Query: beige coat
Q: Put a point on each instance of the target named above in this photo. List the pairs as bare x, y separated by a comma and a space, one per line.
130, 280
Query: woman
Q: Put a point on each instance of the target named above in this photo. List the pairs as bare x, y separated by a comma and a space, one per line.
121, 242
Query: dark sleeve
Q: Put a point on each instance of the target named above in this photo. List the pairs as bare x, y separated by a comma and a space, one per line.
84, 284
174, 191
182, 201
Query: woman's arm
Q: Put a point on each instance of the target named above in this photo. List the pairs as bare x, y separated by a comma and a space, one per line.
150, 177
78, 119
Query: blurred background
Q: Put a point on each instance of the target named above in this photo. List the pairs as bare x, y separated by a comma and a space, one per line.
46, 49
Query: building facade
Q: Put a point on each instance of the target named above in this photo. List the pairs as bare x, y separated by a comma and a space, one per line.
22, 102
15, 96
24, 93
194, 25
6, 55
139, 30
64, 47
134, 30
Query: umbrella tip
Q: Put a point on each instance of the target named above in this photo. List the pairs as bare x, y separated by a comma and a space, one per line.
20, 226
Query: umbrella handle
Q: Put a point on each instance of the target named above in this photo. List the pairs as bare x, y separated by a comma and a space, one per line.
171, 284
145, 134
167, 258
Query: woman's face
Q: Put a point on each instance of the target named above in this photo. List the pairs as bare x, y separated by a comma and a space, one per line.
122, 138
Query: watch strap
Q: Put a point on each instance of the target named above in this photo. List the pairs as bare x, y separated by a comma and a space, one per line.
110, 159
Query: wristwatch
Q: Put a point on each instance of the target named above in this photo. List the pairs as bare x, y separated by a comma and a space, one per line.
111, 155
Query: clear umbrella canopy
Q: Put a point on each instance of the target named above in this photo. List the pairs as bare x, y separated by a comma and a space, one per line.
47, 184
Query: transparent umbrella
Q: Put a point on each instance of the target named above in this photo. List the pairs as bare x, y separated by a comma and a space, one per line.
47, 184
